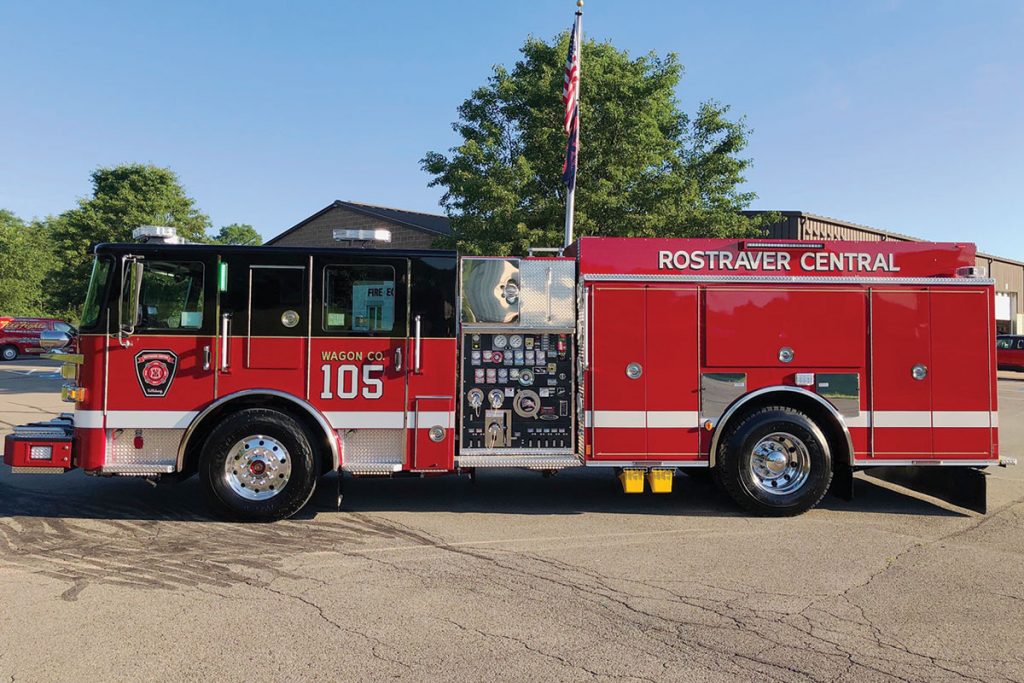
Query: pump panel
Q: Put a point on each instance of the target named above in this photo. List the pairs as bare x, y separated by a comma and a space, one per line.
517, 392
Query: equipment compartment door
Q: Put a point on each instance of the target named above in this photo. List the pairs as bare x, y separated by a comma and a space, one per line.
618, 381
963, 400
901, 374
673, 384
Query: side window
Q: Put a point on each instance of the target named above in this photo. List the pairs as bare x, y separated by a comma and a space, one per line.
62, 327
363, 300
1004, 343
171, 296
1020, 343
277, 301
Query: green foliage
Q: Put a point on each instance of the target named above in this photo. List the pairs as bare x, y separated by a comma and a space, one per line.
26, 255
123, 198
645, 168
238, 233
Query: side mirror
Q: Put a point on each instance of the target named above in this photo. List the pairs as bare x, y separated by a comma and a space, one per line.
54, 340
131, 289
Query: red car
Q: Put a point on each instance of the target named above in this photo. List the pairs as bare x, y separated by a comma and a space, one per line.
1010, 351
19, 336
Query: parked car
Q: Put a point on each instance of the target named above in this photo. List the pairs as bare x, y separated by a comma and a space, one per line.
20, 336
1010, 351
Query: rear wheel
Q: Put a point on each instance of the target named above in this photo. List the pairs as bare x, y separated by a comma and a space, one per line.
258, 465
775, 462
9, 352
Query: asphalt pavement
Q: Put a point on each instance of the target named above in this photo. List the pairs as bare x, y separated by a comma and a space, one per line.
512, 576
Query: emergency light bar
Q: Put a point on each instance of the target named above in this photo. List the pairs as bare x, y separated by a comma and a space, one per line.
782, 245
353, 235
164, 234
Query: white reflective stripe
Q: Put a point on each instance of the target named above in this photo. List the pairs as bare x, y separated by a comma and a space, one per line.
862, 420
895, 419
961, 418
150, 419
430, 418
902, 418
367, 419
652, 419
672, 418
89, 419
620, 418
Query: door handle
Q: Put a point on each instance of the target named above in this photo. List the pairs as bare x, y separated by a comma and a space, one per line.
416, 348
206, 357
398, 359
225, 330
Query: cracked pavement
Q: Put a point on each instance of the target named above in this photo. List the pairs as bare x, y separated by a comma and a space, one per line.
511, 577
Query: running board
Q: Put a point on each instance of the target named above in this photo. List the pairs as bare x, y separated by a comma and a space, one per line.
961, 486
530, 462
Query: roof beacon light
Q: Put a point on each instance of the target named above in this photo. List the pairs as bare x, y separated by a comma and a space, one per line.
795, 246
159, 234
352, 235
971, 271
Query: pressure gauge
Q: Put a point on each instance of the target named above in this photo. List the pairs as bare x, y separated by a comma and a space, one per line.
500, 341
496, 397
526, 377
515, 341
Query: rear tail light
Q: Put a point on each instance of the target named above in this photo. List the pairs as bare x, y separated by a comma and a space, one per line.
40, 453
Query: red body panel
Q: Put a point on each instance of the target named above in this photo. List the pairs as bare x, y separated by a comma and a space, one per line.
672, 313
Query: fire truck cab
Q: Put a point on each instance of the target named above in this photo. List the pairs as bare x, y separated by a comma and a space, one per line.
780, 366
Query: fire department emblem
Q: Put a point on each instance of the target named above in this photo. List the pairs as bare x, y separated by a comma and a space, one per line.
155, 371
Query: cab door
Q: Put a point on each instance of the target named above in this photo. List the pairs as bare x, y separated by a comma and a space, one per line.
264, 324
359, 356
161, 373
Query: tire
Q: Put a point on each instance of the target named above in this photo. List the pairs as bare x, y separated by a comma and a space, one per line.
748, 467
9, 352
273, 468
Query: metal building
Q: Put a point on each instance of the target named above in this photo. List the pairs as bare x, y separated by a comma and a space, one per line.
1007, 273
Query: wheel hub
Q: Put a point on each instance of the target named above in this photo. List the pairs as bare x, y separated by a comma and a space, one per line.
780, 463
257, 467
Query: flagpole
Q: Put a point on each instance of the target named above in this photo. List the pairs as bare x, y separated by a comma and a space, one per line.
570, 199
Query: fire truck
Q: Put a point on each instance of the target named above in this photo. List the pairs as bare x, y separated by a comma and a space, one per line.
778, 367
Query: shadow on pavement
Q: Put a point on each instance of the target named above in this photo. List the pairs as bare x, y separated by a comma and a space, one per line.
76, 496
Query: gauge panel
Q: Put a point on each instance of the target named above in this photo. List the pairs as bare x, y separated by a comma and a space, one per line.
527, 380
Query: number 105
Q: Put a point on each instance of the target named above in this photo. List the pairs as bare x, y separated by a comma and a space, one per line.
349, 384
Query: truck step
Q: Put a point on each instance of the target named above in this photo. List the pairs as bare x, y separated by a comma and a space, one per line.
532, 462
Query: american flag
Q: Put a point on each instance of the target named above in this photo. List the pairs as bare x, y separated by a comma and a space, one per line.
571, 100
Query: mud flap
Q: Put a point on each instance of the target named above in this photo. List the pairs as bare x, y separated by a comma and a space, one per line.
961, 486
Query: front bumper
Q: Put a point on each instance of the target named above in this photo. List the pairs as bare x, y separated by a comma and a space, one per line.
41, 447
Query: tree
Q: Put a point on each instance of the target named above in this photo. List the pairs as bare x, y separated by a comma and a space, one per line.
645, 168
123, 198
27, 258
238, 233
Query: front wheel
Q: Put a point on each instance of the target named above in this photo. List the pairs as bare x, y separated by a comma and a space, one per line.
258, 465
9, 352
775, 462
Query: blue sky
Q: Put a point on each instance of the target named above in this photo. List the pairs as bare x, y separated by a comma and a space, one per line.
901, 114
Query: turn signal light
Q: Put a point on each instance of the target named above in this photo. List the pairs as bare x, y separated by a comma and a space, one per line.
72, 394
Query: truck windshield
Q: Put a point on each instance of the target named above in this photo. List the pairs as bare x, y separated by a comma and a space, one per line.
96, 294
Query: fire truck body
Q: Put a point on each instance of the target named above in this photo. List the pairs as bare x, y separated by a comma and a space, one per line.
783, 366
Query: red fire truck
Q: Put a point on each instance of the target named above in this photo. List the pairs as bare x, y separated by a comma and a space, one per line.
780, 366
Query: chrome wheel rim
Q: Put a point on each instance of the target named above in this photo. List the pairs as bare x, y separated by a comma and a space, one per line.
257, 467
10, 354
780, 464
